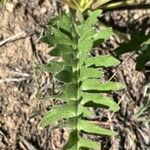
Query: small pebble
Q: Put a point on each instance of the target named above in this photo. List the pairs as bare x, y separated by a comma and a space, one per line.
9, 7
43, 10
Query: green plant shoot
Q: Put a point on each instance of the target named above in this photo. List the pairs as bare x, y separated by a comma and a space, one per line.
79, 75
2, 2
82, 5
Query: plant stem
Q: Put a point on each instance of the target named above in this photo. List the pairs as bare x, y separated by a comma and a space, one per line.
115, 5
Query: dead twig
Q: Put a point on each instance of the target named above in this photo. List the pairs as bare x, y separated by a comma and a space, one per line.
20, 74
28, 145
13, 38
7, 80
111, 77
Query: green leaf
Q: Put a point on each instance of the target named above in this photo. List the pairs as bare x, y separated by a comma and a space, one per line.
92, 19
103, 34
55, 52
53, 22
72, 41
87, 73
65, 22
86, 143
91, 128
102, 61
70, 91
52, 67
85, 111
85, 45
58, 112
59, 96
48, 39
2, 2
72, 143
64, 76
62, 38
95, 85
80, 17
87, 34
83, 29
99, 100
63, 96
69, 59
72, 122
61, 49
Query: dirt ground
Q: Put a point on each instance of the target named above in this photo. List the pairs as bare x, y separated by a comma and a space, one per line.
24, 92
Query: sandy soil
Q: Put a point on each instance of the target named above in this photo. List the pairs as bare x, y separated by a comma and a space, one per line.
20, 107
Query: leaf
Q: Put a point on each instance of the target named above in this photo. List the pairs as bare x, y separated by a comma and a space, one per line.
62, 96
99, 100
55, 52
52, 67
58, 112
81, 17
78, 75
60, 49
70, 91
59, 96
83, 29
83, 143
64, 76
85, 45
87, 73
53, 22
91, 128
102, 61
72, 143
86, 143
87, 34
69, 59
48, 39
85, 42
85, 111
62, 38
95, 85
92, 19
72, 122
65, 22
103, 34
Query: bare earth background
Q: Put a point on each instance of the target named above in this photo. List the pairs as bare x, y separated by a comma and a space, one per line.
21, 88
